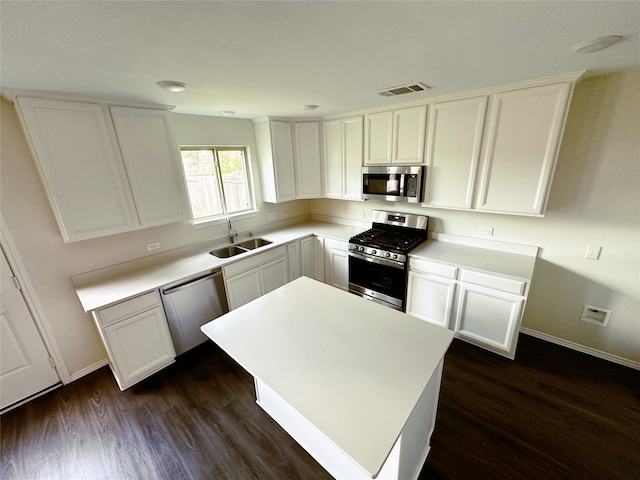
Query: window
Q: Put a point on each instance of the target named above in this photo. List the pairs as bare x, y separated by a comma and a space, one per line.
217, 180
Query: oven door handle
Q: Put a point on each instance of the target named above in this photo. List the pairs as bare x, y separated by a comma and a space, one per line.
378, 260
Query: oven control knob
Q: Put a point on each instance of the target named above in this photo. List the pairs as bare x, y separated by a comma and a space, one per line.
373, 252
395, 256
387, 254
361, 248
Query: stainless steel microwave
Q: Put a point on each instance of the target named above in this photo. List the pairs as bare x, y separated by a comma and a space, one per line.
393, 183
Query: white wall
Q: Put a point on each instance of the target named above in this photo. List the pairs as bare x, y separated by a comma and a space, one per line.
595, 199
50, 262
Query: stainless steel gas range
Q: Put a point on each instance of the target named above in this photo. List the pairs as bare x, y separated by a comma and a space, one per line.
378, 257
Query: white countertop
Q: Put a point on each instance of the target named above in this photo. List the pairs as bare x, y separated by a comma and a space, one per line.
109, 285
102, 287
353, 368
480, 259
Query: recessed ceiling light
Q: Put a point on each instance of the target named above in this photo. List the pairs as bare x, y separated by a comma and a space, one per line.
226, 113
310, 107
172, 85
596, 44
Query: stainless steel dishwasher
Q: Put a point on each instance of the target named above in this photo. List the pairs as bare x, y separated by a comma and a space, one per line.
189, 304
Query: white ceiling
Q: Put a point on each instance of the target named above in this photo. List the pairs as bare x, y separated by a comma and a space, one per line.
270, 58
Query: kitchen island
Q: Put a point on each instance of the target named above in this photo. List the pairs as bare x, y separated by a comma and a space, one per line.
354, 383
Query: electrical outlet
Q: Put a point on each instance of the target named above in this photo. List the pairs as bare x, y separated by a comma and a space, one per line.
592, 252
273, 216
487, 231
285, 213
360, 215
153, 246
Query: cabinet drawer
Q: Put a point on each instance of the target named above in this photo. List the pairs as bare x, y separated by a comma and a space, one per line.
435, 268
490, 281
254, 261
129, 308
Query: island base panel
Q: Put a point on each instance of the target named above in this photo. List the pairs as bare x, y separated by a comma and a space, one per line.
405, 460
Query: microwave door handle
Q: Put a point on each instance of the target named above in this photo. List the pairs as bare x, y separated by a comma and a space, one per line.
403, 179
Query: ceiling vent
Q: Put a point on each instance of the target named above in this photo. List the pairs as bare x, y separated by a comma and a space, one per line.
402, 89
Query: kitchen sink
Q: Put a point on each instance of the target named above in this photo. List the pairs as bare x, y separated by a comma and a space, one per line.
242, 247
230, 251
254, 243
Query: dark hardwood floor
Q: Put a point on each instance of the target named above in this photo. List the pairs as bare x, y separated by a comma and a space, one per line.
551, 413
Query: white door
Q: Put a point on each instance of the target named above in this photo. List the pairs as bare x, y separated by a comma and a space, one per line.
25, 368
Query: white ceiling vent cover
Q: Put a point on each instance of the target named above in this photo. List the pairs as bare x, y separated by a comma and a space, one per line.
402, 89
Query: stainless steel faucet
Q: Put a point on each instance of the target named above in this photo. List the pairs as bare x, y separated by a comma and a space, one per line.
232, 232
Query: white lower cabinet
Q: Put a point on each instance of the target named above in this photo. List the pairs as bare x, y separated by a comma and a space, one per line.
336, 263
136, 337
483, 309
430, 297
250, 278
489, 318
301, 256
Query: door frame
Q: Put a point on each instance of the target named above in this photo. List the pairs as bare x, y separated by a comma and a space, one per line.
32, 302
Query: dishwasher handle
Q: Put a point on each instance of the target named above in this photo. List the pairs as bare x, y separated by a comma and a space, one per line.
189, 283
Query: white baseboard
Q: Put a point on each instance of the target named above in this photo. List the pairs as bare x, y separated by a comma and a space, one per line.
581, 348
88, 370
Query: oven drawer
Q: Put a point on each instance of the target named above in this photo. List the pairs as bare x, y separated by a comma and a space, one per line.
421, 265
508, 285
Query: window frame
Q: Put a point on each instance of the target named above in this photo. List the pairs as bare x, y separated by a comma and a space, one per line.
203, 222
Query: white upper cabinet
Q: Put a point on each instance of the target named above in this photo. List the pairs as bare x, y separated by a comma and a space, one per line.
151, 157
343, 157
290, 159
396, 136
308, 159
274, 141
522, 142
99, 183
453, 151
496, 152
80, 167
378, 138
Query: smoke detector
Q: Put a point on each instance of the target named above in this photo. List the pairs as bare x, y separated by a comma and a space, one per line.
403, 89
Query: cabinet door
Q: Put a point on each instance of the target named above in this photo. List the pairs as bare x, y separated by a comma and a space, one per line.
430, 298
408, 135
139, 346
274, 143
282, 145
243, 288
522, 146
378, 138
333, 170
293, 256
153, 164
307, 160
489, 318
318, 252
274, 274
81, 169
308, 257
336, 263
352, 137
454, 142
